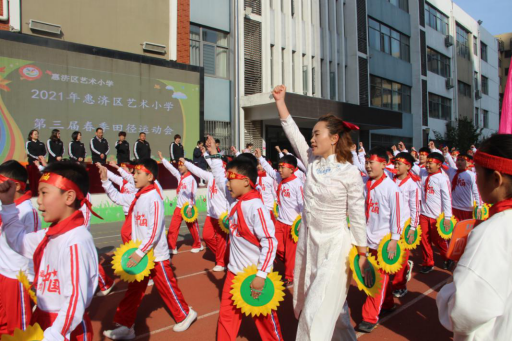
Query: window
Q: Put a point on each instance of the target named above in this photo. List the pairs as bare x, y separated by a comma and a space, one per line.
486, 118
293, 71
304, 75
462, 42
332, 82
506, 71
209, 49
464, 89
477, 122
508, 53
313, 76
439, 107
483, 51
390, 95
282, 67
438, 63
436, 19
387, 40
293, 8
402, 4
272, 79
485, 85
475, 45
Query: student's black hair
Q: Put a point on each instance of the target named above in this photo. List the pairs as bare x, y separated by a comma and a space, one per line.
97, 129
380, 152
14, 170
248, 157
424, 149
248, 145
499, 145
74, 136
199, 141
466, 155
53, 137
437, 156
217, 141
151, 165
142, 133
245, 167
123, 133
74, 172
289, 159
30, 134
407, 156
177, 136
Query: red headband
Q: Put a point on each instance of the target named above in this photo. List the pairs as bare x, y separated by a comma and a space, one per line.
434, 160
376, 158
129, 166
456, 152
403, 160
23, 185
143, 169
424, 153
180, 163
67, 185
488, 161
233, 175
290, 166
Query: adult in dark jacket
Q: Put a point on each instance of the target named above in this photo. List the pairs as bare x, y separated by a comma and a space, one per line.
76, 148
198, 156
123, 149
141, 148
99, 147
55, 147
176, 150
34, 147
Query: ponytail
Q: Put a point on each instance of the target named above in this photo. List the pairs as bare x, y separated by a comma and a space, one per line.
337, 126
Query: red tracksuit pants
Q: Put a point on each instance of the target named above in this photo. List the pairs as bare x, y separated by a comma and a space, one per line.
174, 229
382, 300
400, 278
82, 332
216, 240
167, 287
430, 235
462, 215
286, 248
104, 281
15, 308
230, 318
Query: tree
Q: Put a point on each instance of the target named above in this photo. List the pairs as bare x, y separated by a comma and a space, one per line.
461, 135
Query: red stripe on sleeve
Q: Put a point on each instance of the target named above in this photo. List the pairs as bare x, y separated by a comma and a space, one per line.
271, 243
75, 271
155, 225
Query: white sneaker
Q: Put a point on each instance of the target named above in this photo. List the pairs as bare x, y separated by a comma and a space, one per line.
174, 251
218, 268
120, 333
151, 282
187, 322
197, 250
105, 292
409, 273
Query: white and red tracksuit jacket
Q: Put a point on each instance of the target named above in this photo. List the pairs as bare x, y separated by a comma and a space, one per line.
10, 261
464, 191
125, 187
411, 195
216, 202
148, 221
187, 185
301, 168
435, 195
383, 207
267, 189
68, 274
290, 197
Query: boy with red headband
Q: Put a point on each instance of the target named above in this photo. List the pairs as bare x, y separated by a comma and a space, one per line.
435, 200
216, 204
145, 222
383, 206
186, 192
290, 201
65, 258
252, 242
15, 308
407, 183
477, 304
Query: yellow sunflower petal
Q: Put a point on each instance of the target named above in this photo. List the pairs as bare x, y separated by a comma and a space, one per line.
405, 232
143, 269
358, 276
440, 227
224, 222
22, 277
276, 210
386, 265
295, 229
32, 333
195, 213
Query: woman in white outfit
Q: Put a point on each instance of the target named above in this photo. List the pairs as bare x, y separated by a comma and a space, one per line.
333, 190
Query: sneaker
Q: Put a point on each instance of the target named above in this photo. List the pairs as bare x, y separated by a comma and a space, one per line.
151, 282
186, 323
386, 311
426, 269
366, 327
218, 268
409, 272
174, 251
400, 293
196, 250
448, 264
105, 292
120, 333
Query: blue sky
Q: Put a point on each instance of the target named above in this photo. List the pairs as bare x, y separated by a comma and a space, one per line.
495, 14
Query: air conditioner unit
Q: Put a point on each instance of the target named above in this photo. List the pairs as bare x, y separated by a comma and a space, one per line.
44, 27
152, 47
449, 83
448, 40
478, 94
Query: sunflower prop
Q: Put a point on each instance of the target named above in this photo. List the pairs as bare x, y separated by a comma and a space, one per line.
276, 210
485, 212
269, 299
139, 271
224, 222
32, 333
443, 232
357, 274
348, 221
386, 264
405, 234
194, 213
295, 229
22, 277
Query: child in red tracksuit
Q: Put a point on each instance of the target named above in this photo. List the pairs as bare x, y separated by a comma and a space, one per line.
15, 308
145, 223
435, 199
252, 242
383, 204
290, 200
186, 192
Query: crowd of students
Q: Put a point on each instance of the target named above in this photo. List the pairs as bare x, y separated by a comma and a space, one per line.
328, 183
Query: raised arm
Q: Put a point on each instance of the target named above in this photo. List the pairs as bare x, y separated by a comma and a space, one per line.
197, 171
269, 169
169, 166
